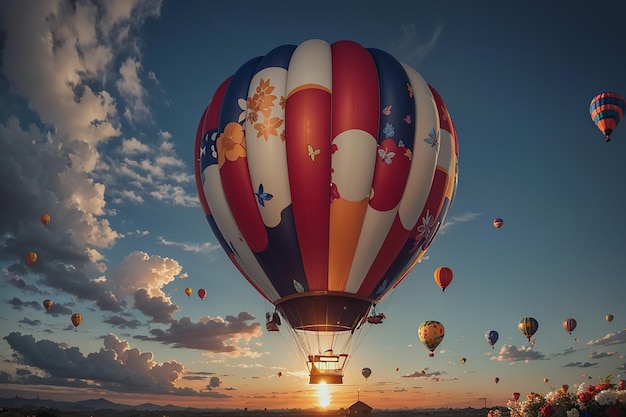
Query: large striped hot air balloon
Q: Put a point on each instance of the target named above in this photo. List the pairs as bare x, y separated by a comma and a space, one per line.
528, 326
325, 171
606, 110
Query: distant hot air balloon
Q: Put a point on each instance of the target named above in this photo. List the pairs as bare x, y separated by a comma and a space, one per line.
528, 326
397, 369
47, 304
366, 372
564, 388
45, 219
492, 337
77, 318
608, 317
339, 161
463, 360
280, 374
516, 396
606, 110
202, 293
546, 380
496, 380
188, 291
569, 325
31, 258
431, 334
443, 277
498, 222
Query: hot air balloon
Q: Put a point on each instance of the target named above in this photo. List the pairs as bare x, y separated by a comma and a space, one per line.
201, 293
31, 258
188, 291
516, 396
280, 374
608, 317
337, 160
47, 304
45, 219
463, 360
431, 334
496, 380
492, 337
528, 326
606, 110
77, 318
443, 277
569, 325
397, 369
366, 372
497, 223
564, 388
546, 380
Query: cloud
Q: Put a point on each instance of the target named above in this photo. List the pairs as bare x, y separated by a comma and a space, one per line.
616, 338
410, 48
580, 365
598, 355
189, 247
216, 335
463, 218
115, 367
511, 353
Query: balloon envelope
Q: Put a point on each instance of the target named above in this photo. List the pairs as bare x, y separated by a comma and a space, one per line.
496, 380
77, 318
366, 372
607, 110
609, 318
492, 337
201, 293
443, 277
47, 304
463, 360
569, 324
528, 326
337, 160
44, 218
498, 222
31, 258
431, 334
516, 396
188, 291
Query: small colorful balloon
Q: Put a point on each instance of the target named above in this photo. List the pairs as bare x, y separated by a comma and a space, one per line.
202, 293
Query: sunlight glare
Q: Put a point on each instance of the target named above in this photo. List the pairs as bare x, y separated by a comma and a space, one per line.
323, 394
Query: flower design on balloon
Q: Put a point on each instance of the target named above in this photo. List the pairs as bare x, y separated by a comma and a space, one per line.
231, 143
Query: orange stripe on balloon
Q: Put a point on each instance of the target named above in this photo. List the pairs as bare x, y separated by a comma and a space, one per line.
308, 87
344, 239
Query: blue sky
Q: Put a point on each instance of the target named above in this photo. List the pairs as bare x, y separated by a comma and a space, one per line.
100, 105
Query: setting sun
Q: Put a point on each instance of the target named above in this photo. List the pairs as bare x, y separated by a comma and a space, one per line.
324, 394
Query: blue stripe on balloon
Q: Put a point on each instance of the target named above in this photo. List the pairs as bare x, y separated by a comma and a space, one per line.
236, 90
277, 57
607, 114
393, 83
607, 100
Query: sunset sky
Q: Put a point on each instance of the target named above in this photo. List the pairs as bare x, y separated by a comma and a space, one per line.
99, 110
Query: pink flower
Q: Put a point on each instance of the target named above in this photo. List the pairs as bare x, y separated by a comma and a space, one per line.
585, 397
548, 410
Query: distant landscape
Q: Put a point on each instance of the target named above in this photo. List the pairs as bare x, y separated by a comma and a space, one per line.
18, 406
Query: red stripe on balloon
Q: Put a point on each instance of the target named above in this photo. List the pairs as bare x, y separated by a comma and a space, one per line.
307, 131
